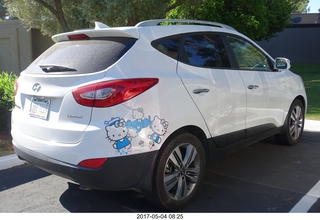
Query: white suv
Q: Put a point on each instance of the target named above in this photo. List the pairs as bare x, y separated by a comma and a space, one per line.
145, 107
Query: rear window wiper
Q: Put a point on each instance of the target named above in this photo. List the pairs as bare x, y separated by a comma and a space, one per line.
55, 68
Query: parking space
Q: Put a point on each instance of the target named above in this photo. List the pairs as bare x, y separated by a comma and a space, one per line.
264, 177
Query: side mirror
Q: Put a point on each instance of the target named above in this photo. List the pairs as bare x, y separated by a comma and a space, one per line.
282, 63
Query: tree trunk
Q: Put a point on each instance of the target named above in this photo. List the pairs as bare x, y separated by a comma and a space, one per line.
58, 13
60, 16
132, 21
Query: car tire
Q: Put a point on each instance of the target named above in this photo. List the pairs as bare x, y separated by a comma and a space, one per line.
294, 125
178, 174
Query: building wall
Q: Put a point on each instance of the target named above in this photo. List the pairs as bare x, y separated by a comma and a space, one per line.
300, 43
39, 42
15, 46
306, 18
19, 46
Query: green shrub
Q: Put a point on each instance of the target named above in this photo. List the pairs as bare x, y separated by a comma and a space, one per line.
6, 99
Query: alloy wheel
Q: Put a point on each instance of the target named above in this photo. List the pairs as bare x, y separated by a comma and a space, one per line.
182, 171
296, 122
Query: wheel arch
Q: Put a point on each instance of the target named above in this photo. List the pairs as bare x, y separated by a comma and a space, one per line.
304, 103
302, 99
194, 130
182, 137
146, 184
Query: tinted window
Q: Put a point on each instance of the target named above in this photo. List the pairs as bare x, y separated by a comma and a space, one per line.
247, 55
205, 50
85, 56
168, 46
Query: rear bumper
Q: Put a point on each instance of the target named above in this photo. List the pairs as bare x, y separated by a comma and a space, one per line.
117, 173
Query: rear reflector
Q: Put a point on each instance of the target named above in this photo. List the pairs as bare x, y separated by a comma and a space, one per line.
93, 163
16, 86
78, 37
110, 93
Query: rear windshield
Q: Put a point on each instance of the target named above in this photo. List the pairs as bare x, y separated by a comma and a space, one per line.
82, 56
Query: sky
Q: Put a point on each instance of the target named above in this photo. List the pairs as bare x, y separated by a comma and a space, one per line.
314, 6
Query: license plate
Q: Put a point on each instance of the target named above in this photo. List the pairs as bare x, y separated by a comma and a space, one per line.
39, 108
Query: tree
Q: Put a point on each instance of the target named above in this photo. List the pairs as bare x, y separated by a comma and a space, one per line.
300, 6
125, 12
3, 10
57, 11
259, 19
50, 16
55, 16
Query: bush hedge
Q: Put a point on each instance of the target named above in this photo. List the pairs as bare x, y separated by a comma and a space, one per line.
7, 81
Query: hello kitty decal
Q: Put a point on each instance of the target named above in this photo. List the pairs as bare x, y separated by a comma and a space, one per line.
118, 133
159, 128
139, 123
125, 134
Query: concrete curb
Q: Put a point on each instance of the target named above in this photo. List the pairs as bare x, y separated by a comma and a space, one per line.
10, 161
312, 125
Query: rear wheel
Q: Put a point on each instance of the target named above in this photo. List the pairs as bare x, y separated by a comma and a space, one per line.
178, 174
294, 125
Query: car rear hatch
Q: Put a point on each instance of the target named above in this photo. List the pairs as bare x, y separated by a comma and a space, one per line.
45, 106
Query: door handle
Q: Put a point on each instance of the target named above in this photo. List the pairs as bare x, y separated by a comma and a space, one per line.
253, 86
198, 91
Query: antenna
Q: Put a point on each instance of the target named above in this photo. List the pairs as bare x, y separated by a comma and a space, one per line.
99, 25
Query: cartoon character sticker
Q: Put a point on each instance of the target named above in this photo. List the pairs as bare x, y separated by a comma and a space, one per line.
159, 127
139, 123
123, 133
118, 133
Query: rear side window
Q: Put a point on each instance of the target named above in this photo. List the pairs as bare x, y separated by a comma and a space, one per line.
80, 57
204, 50
168, 46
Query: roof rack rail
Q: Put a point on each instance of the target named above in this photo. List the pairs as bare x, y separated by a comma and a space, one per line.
158, 21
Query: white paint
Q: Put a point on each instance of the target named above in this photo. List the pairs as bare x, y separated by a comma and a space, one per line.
308, 200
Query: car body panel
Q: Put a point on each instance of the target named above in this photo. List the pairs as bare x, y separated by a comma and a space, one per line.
265, 103
224, 106
66, 120
110, 32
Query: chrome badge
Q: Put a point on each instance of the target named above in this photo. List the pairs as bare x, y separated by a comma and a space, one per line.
36, 87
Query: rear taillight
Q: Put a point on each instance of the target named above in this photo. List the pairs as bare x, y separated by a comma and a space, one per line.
16, 86
110, 93
93, 163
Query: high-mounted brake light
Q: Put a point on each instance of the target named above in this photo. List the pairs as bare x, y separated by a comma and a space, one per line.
92, 163
110, 93
78, 37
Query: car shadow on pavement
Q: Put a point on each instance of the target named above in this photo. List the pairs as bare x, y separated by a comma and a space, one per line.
77, 200
20, 175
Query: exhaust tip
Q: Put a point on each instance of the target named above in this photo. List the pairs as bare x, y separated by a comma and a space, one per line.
85, 188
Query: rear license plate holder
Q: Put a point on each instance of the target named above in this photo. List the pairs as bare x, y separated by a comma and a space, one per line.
39, 108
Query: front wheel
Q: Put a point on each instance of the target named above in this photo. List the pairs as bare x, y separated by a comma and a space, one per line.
178, 174
294, 125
